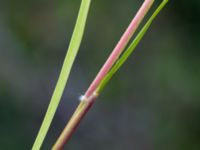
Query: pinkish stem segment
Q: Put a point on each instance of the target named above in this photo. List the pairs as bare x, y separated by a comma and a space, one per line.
120, 46
90, 96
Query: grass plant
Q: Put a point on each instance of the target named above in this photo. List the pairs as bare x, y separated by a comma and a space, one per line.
114, 62
111, 66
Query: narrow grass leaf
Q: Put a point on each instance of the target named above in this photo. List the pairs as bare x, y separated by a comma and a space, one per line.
65, 71
130, 49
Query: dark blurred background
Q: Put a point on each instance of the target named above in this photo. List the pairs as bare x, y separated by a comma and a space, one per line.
152, 103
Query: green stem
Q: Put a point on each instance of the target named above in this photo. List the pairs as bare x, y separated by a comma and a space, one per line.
65, 71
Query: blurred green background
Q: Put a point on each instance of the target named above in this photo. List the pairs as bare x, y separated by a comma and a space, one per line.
153, 103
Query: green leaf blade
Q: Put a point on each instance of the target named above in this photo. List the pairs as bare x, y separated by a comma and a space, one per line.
65, 71
131, 48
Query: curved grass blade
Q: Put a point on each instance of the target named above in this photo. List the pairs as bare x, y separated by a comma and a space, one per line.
65, 71
130, 49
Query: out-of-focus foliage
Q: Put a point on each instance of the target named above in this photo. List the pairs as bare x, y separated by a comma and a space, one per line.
152, 103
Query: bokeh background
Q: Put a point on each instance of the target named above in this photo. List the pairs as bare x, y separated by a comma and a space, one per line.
152, 103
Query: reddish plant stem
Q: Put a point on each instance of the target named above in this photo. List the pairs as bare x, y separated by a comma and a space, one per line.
91, 95
120, 46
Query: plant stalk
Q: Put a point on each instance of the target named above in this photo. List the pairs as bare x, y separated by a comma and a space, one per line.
91, 95
75, 120
120, 46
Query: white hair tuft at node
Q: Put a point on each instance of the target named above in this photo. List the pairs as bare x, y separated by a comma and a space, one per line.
82, 98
